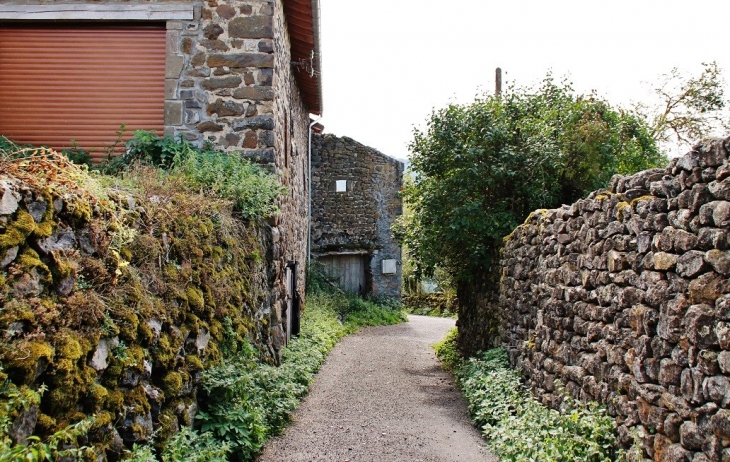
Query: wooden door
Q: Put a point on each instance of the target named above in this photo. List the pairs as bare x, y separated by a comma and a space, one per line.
348, 270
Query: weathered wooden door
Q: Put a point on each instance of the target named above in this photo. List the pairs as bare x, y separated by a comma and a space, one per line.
348, 270
289, 301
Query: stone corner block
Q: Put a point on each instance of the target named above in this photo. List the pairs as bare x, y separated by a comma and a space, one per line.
173, 112
173, 66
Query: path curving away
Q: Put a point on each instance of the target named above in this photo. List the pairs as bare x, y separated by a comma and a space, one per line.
382, 396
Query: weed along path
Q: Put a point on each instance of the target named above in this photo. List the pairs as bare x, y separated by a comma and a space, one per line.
382, 396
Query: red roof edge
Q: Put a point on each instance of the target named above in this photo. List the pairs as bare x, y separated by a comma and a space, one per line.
302, 18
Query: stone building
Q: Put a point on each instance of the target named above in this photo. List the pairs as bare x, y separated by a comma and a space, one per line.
243, 75
355, 198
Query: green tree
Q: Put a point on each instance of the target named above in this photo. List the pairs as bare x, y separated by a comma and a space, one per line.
688, 108
481, 168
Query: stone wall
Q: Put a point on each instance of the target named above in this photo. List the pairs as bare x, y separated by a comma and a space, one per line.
118, 300
291, 142
624, 297
358, 219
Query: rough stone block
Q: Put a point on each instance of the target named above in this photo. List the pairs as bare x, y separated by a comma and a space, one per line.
719, 260
253, 27
664, 261
238, 60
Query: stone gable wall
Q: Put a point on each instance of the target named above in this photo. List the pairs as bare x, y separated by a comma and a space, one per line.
624, 297
360, 218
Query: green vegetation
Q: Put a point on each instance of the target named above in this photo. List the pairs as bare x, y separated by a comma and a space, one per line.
251, 188
247, 401
62, 444
481, 168
440, 304
516, 426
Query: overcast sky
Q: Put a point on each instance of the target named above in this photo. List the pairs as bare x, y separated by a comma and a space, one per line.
387, 63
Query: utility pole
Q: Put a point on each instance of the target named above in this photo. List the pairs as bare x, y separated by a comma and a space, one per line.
498, 82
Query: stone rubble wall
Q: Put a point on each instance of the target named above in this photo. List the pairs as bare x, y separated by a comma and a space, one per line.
360, 218
119, 312
219, 85
624, 297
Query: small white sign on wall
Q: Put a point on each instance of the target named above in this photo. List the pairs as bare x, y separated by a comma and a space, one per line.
390, 267
341, 186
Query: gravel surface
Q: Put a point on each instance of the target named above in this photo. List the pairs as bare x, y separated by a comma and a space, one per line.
382, 396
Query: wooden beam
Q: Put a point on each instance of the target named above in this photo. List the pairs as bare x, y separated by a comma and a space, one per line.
134, 11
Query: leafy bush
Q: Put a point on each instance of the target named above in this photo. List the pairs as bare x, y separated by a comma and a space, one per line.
481, 168
516, 426
446, 350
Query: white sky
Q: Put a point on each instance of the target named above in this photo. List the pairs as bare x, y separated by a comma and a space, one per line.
387, 63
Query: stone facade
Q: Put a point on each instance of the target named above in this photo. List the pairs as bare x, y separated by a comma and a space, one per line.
357, 220
624, 297
236, 89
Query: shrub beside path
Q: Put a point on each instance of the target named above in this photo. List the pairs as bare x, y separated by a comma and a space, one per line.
382, 396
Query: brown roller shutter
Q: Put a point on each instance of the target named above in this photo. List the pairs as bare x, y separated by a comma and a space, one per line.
81, 82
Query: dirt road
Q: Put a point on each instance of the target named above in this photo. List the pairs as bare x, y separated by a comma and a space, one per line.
382, 396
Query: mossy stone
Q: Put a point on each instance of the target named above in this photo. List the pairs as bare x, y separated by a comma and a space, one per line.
18, 230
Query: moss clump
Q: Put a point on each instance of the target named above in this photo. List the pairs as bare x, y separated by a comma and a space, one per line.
172, 384
16, 310
29, 260
69, 345
18, 230
136, 398
642, 198
115, 401
194, 363
621, 209
163, 354
97, 397
195, 297
46, 424
26, 360
101, 420
128, 325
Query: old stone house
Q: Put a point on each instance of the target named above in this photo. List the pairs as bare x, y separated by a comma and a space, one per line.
355, 199
242, 74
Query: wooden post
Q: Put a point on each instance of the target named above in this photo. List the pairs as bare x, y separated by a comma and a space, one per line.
498, 82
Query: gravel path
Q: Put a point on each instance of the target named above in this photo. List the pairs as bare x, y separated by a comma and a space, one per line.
382, 396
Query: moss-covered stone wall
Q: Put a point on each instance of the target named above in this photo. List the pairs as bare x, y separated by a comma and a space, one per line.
117, 299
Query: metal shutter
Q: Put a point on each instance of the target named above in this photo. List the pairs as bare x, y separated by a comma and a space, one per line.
80, 82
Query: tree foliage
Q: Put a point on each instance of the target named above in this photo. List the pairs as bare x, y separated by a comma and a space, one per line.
481, 168
689, 108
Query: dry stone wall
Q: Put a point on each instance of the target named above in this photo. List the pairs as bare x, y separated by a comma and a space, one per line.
118, 304
625, 298
359, 218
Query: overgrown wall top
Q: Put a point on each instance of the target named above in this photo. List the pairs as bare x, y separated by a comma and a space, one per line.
624, 297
